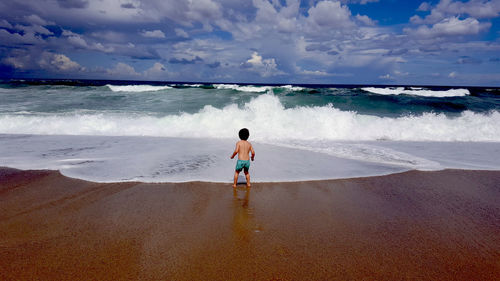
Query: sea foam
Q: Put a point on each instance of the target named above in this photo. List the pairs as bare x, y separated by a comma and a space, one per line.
137, 88
268, 120
417, 92
242, 88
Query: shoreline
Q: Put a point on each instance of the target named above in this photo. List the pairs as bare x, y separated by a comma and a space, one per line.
433, 225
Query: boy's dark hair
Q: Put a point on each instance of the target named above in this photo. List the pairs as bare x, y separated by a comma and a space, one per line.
244, 133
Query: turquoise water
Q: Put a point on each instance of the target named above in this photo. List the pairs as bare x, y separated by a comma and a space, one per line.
99, 130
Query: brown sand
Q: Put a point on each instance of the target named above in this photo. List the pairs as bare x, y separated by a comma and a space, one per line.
411, 226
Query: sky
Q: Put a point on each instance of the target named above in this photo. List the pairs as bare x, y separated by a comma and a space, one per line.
412, 42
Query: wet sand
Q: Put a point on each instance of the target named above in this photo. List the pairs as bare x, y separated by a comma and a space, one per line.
441, 225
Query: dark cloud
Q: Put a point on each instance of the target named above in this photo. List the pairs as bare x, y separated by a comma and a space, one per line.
128, 6
397, 52
430, 48
185, 61
317, 47
295, 39
73, 4
468, 60
214, 65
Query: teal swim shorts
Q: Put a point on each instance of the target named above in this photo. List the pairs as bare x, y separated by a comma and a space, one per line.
242, 164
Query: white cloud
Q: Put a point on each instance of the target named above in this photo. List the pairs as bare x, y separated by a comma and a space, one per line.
33, 29
157, 71
78, 41
123, 70
181, 33
365, 19
362, 2
330, 14
29, 37
20, 62
450, 27
153, 34
36, 20
452, 74
478, 9
5, 24
59, 62
424, 7
265, 67
314, 73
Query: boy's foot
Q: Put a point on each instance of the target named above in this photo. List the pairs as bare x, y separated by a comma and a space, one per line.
249, 185
234, 185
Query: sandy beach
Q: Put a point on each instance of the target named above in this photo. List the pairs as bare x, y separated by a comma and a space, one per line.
415, 225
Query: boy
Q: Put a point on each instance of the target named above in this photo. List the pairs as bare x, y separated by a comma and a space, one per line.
243, 148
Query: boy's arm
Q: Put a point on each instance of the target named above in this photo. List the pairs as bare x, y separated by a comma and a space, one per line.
253, 152
235, 151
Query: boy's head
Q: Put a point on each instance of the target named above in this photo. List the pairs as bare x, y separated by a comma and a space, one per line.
244, 133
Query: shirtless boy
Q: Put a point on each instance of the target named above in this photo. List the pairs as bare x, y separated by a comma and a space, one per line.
243, 148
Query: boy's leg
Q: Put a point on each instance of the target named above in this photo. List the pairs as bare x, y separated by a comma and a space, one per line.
247, 175
236, 174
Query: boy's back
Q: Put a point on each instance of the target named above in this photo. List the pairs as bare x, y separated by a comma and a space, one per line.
244, 148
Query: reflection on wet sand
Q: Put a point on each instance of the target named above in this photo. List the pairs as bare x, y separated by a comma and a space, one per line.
243, 218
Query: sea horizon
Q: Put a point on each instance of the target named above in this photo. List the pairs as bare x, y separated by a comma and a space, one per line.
102, 82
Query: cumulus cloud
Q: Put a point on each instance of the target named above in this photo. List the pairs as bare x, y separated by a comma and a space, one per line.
123, 70
59, 62
76, 4
153, 34
450, 27
18, 62
185, 60
181, 33
362, 2
365, 20
424, 7
314, 72
157, 71
478, 9
240, 39
79, 41
37, 20
265, 67
330, 14
24, 35
5, 24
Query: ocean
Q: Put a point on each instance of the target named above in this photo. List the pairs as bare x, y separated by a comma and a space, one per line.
175, 132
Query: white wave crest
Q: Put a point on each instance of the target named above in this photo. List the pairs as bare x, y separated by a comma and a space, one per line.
268, 121
292, 88
417, 92
137, 88
241, 88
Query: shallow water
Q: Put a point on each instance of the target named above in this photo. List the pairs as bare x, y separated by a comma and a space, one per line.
160, 159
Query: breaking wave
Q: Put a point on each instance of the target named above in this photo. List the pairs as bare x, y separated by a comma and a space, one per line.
242, 88
418, 92
268, 120
137, 88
